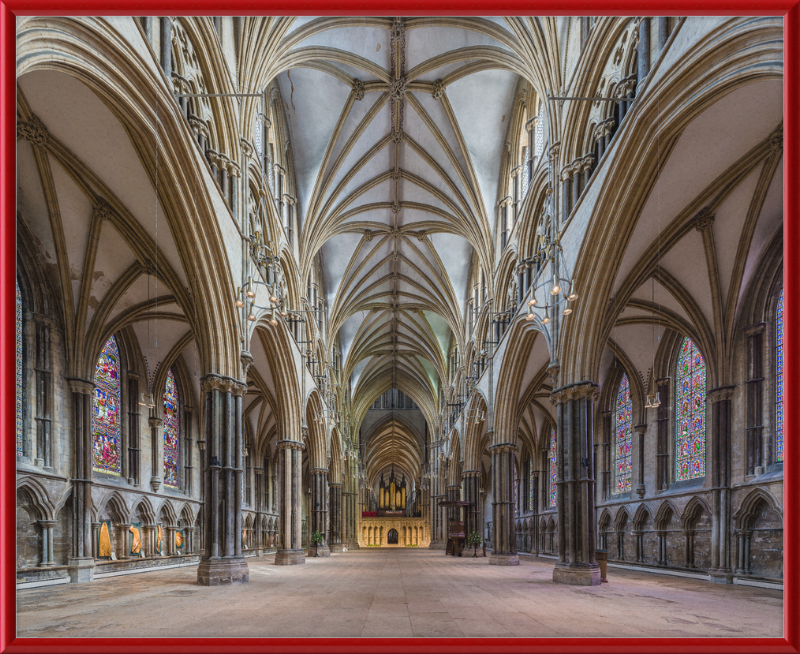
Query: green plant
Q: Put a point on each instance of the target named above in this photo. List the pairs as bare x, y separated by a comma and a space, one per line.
316, 537
474, 538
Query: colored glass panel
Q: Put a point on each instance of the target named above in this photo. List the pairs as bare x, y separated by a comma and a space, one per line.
106, 409
623, 436
530, 487
171, 432
779, 381
690, 442
19, 373
552, 467
516, 489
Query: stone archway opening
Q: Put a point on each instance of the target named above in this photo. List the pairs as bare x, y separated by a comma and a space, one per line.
391, 537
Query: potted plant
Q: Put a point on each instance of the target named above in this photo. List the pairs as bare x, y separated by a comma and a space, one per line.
316, 538
474, 540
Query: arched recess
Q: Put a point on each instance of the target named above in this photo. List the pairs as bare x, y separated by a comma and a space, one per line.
122, 80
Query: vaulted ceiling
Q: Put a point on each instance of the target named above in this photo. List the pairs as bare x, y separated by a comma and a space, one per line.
397, 131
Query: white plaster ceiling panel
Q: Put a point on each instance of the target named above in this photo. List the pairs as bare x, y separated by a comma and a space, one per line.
380, 162
371, 43
687, 263
380, 193
299, 22
605, 363
337, 252
442, 330
483, 124
539, 358
639, 342
727, 228
261, 363
80, 120
113, 258
191, 360
652, 291
414, 164
156, 339
31, 203
770, 220
442, 71
358, 111
454, 252
135, 293
750, 113
424, 43
313, 102
431, 370
421, 133
410, 191
76, 214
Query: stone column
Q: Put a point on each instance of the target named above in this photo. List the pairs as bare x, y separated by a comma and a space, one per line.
157, 446
319, 507
123, 551
95, 537
587, 164
472, 493
503, 531
189, 544
662, 446
81, 563
166, 46
150, 532
147, 26
290, 463
576, 183
719, 400
662, 25
643, 53
755, 399
336, 544
133, 429
575, 485
605, 490
640, 430
47, 542
222, 561
566, 177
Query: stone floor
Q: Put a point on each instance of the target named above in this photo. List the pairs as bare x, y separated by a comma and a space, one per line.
396, 593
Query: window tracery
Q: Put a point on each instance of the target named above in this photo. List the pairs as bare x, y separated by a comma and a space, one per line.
623, 437
171, 432
552, 455
106, 412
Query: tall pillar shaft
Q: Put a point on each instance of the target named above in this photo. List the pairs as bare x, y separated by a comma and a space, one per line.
222, 561
575, 485
503, 532
472, 493
290, 468
720, 401
643, 53
337, 522
166, 46
81, 563
319, 508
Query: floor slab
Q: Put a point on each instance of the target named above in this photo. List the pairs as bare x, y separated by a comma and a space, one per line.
398, 593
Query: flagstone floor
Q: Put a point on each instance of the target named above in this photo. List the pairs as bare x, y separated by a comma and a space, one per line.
398, 593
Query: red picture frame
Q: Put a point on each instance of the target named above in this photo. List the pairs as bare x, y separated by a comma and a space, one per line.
9, 9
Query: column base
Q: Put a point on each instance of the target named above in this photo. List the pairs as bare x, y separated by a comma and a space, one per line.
81, 570
437, 546
720, 576
290, 557
322, 550
215, 572
585, 575
337, 548
501, 558
353, 545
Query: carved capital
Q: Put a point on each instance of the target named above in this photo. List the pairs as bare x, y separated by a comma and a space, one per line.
503, 447
552, 373
33, 131
640, 429
471, 473
291, 445
719, 394
233, 169
247, 361
555, 149
82, 386
578, 391
247, 149
155, 423
319, 471
358, 89
198, 126
704, 219
438, 89
214, 382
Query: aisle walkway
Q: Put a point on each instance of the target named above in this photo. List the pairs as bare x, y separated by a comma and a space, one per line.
398, 592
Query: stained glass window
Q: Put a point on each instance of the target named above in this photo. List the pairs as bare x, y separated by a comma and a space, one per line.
530, 486
778, 381
690, 444
516, 489
623, 429
106, 412
552, 467
172, 432
19, 373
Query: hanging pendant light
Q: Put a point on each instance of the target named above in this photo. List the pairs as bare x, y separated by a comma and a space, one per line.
532, 302
250, 292
530, 315
546, 319
250, 316
573, 293
566, 311
147, 400
239, 302
556, 288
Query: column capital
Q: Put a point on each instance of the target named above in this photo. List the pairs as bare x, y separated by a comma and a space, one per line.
49, 523
640, 429
215, 382
576, 391
319, 471
756, 328
720, 393
289, 444
155, 422
83, 386
503, 447
471, 473
335, 484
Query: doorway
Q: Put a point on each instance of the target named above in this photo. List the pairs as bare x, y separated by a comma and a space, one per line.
391, 537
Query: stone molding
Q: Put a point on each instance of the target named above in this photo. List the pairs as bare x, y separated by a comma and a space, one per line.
776, 139
503, 447
704, 219
640, 429
398, 89
318, 471
155, 422
102, 209
576, 391
438, 89
358, 89
289, 444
